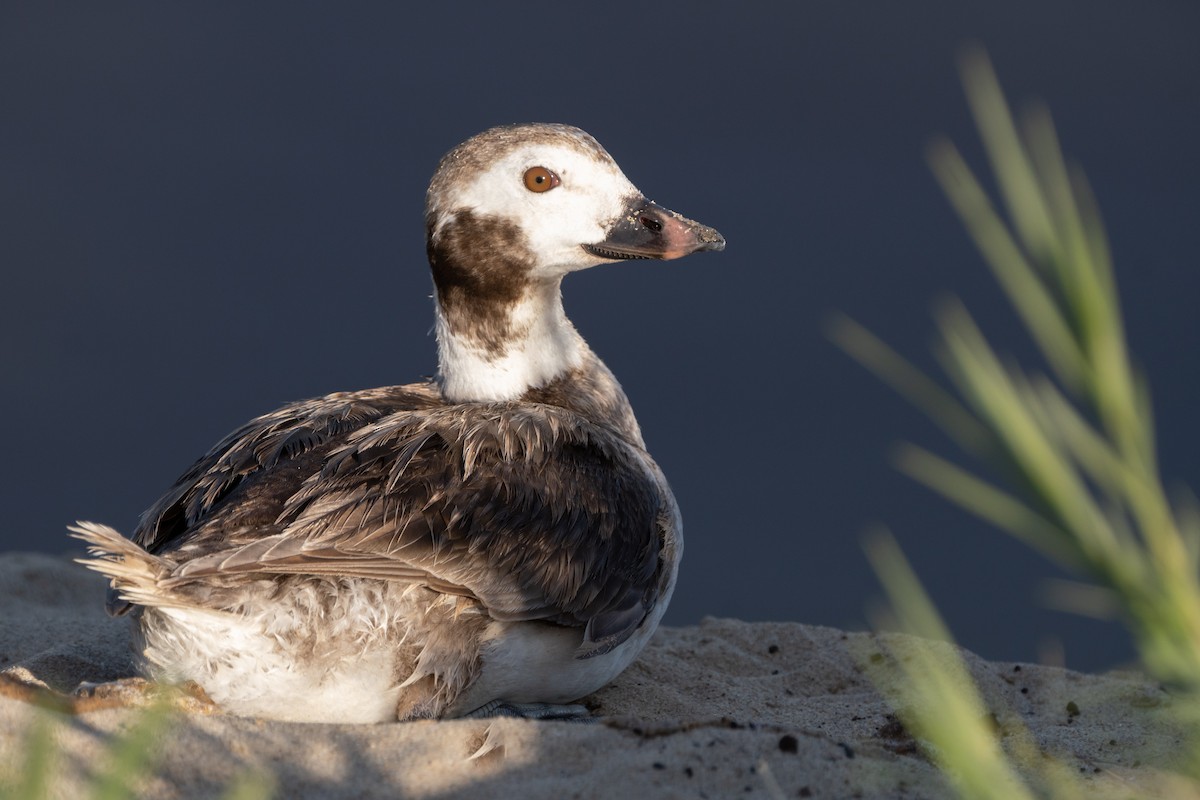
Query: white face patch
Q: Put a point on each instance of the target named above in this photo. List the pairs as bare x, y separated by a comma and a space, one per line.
556, 223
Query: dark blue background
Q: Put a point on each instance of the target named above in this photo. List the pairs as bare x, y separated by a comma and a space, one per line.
207, 210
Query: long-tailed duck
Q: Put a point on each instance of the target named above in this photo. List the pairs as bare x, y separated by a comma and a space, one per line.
495, 538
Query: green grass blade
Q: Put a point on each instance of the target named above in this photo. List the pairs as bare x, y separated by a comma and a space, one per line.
937, 700
992, 393
1026, 290
33, 781
1014, 172
133, 754
251, 786
981, 498
908, 381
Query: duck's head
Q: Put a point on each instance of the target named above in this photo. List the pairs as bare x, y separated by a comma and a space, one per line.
554, 194
510, 212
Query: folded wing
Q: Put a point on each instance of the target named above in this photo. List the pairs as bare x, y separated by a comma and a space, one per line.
529, 509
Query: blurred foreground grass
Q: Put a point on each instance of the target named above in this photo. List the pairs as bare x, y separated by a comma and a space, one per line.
123, 769
1074, 443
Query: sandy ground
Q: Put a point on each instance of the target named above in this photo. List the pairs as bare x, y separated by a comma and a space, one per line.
720, 710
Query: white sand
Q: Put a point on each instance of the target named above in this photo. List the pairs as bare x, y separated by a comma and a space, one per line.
699, 715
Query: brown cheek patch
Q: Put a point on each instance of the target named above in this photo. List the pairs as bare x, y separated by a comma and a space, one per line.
481, 267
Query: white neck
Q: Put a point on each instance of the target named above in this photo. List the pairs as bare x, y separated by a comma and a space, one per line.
544, 345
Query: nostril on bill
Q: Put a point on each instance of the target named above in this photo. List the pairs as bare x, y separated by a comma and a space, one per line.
651, 223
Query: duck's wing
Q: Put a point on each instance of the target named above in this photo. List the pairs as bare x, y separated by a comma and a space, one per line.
250, 473
530, 509
241, 484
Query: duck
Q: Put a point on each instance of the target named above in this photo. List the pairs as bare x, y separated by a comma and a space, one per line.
495, 539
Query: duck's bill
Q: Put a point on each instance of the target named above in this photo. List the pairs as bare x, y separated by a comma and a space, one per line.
648, 230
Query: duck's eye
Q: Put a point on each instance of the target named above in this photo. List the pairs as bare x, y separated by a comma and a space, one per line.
540, 179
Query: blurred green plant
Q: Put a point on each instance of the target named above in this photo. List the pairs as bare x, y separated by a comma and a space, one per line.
939, 701
130, 758
930, 688
1076, 445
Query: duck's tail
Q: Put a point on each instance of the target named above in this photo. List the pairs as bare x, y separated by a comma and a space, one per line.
133, 573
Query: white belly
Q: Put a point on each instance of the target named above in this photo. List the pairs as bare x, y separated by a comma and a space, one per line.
248, 672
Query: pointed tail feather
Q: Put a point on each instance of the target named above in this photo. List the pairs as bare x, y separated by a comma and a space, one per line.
133, 573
